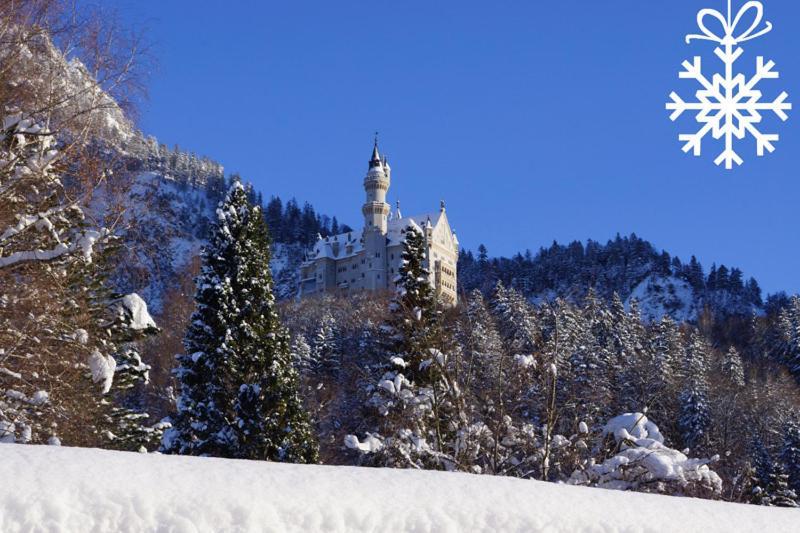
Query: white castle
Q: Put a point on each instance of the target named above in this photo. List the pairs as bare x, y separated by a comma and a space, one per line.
370, 259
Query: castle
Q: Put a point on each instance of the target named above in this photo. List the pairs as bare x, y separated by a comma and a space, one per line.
370, 259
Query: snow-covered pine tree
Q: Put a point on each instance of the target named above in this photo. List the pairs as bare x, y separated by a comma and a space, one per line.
770, 486
495, 384
790, 454
666, 347
732, 368
625, 357
515, 320
694, 418
483, 350
590, 394
239, 391
117, 368
301, 354
421, 419
789, 324
414, 324
325, 353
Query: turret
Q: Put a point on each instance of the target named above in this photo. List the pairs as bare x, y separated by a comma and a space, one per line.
376, 184
376, 220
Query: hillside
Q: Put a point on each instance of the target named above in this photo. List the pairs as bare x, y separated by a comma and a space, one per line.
66, 489
630, 267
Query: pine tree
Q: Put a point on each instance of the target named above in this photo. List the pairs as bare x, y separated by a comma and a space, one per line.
694, 418
419, 403
789, 324
325, 353
667, 350
414, 323
732, 368
515, 321
770, 486
239, 391
790, 455
301, 354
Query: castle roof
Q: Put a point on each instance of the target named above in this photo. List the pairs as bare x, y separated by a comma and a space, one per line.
350, 244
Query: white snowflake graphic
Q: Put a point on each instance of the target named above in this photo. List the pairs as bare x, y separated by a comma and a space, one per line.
729, 106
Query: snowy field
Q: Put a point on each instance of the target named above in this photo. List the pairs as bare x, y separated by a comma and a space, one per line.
70, 489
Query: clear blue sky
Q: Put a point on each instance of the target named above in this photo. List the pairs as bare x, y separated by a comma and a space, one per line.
534, 120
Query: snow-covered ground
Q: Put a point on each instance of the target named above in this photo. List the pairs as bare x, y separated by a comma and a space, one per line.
659, 296
71, 489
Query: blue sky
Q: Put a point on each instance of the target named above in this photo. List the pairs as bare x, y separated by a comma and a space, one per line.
534, 120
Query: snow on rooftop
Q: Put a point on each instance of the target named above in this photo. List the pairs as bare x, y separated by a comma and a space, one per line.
72, 489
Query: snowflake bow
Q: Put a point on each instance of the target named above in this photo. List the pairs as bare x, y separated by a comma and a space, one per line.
729, 106
729, 37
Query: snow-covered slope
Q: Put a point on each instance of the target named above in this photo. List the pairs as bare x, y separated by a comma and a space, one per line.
167, 223
71, 489
658, 296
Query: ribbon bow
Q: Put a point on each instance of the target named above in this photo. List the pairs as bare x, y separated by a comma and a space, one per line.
730, 38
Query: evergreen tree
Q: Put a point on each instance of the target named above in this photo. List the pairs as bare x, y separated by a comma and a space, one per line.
422, 420
274, 217
694, 418
732, 368
789, 324
790, 454
301, 354
239, 390
414, 323
770, 486
325, 352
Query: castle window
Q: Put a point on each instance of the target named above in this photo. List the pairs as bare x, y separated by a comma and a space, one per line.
363, 275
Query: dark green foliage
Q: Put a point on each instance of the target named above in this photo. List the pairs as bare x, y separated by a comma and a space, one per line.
239, 389
694, 418
414, 325
770, 483
790, 455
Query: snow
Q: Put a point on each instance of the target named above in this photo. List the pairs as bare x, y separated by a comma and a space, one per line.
370, 444
71, 489
632, 426
137, 309
102, 367
645, 461
525, 361
660, 296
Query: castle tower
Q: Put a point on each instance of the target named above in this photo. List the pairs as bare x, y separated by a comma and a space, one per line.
376, 218
376, 184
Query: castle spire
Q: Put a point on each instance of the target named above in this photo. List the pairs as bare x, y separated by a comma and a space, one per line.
376, 156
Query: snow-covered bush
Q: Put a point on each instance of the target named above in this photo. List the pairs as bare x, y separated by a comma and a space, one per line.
641, 462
